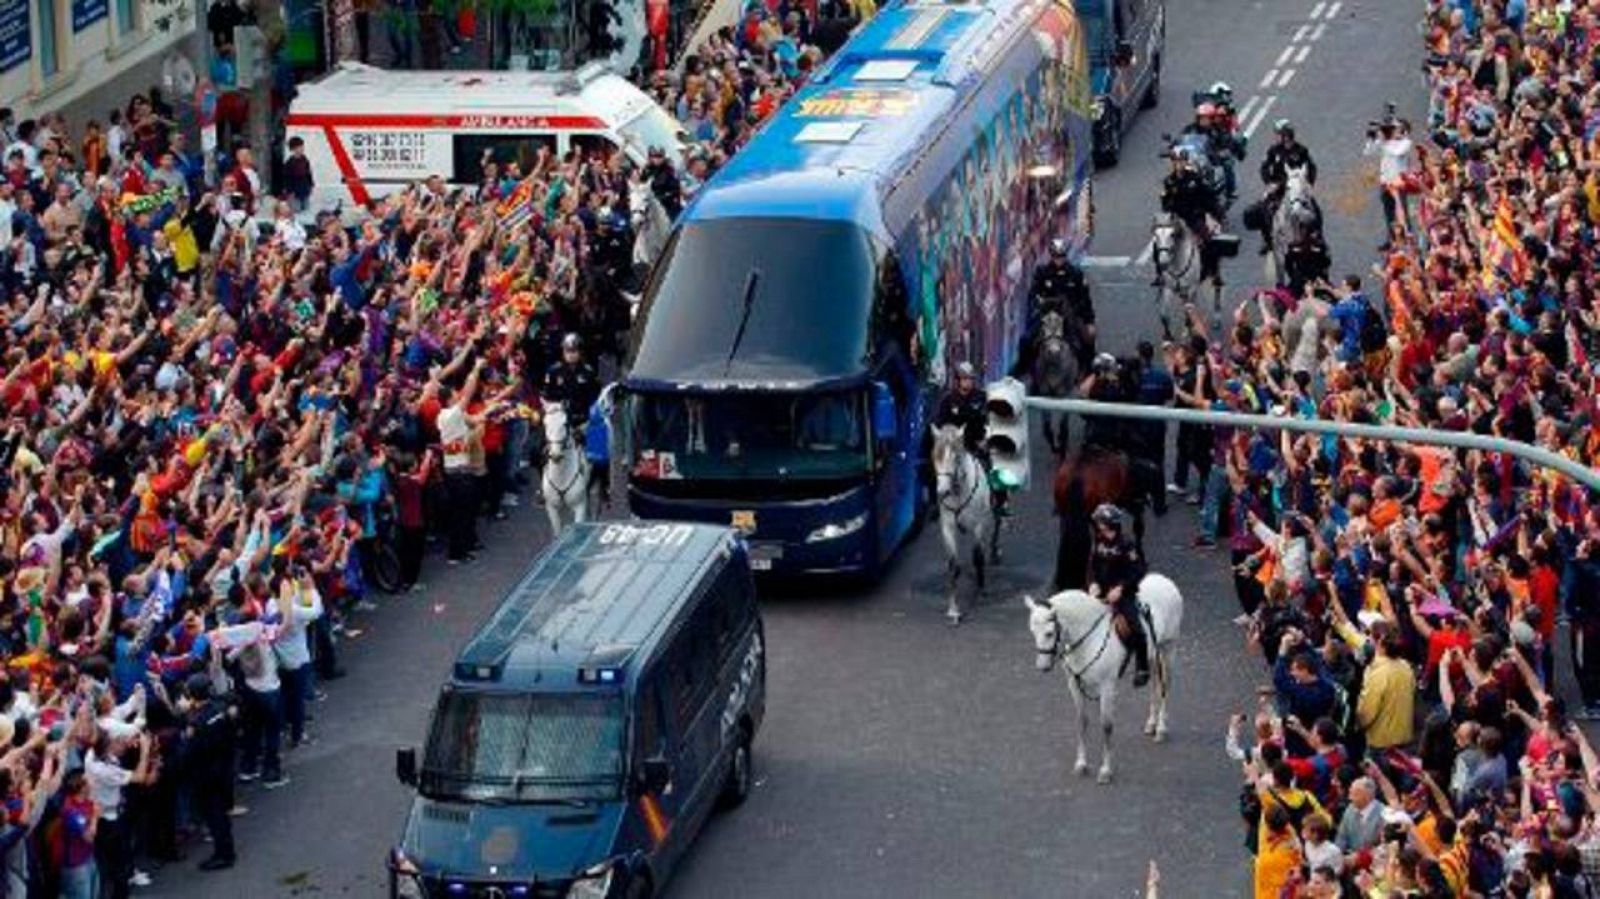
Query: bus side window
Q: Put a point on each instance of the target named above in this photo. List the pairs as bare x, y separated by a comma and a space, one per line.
522, 149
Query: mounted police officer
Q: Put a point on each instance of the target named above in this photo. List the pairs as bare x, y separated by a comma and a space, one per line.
572, 382
1116, 567
1285, 153
966, 407
1186, 194
1104, 384
1059, 287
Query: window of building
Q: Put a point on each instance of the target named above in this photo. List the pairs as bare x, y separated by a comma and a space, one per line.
127, 22
49, 47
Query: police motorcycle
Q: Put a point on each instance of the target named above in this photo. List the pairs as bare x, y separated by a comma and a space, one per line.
1215, 131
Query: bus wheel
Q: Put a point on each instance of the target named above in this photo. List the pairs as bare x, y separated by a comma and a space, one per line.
741, 774
1152, 94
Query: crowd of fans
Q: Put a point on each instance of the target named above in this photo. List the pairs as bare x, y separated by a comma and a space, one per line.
1408, 599
215, 414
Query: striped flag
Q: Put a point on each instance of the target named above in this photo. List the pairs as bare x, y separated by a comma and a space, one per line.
516, 208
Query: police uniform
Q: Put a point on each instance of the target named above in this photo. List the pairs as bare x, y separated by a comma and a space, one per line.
1118, 563
575, 385
206, 756
1058, 286
1281, 158
1185, 194
967, 411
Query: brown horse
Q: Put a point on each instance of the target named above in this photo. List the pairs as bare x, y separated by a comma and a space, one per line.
1092, 476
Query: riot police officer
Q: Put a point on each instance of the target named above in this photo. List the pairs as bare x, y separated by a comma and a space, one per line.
1058, 286
664, 182
1116, 567
206, 755
1186, 195
1286, 153
572, 382
1104, 384
965, 406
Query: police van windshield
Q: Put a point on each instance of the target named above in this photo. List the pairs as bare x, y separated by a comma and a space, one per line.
749, 435
510, 747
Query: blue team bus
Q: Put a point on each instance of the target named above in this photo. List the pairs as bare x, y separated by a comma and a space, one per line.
880, 229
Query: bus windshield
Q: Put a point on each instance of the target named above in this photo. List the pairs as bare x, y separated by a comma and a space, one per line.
521, 747
749, 436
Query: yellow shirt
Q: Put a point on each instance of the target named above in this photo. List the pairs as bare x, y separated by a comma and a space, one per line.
1276, 860
1388, 696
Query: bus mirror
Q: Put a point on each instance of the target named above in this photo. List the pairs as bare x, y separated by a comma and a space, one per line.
405, 765
884, 424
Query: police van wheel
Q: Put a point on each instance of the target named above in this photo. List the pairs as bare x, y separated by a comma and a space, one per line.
741, 775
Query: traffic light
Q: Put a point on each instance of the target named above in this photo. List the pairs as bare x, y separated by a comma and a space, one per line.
1008, 434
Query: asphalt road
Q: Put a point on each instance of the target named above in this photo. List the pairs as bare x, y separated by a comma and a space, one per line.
900, 756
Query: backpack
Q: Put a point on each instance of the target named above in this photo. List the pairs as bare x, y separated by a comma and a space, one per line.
1374, 333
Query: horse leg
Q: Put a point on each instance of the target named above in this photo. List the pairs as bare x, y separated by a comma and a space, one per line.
1108, 715
1163, 688
1079, 702
980, 565
953, 610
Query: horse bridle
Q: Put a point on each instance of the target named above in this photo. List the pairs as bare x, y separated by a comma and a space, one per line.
569, 443
1173, 252
1058, 655
971, 493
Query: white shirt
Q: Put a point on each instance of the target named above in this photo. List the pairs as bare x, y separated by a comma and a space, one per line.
106, 780
1394, 157
293, 651
291, 232
453, 434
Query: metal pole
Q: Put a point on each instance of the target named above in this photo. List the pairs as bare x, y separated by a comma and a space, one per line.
1537, 455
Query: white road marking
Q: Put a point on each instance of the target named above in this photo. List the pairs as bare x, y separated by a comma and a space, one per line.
1288, 75
1244, 111
1272, 75
1316, 33
1300, 57
1284, 56
1105, 261
1316, 11
1333, 9
1261, 113
1299, 35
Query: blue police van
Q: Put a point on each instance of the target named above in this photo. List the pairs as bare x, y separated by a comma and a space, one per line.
1126, 41
595, 720
812, 301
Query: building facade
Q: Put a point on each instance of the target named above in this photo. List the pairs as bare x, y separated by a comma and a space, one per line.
85, 57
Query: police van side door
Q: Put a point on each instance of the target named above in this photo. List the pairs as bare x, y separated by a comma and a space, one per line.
693, 704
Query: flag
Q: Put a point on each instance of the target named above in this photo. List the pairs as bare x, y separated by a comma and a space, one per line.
517, 207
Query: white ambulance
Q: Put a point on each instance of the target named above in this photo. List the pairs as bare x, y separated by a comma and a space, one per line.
370, 131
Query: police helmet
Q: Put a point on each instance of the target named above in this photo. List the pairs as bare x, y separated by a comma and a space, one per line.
965, 370
1222, 90
1283, 127
1058, 247
572, 342
1105, 364
1108, 515
1205, 110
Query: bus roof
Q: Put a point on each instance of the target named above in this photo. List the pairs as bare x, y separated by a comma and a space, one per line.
882, 99
598, 596
357, 89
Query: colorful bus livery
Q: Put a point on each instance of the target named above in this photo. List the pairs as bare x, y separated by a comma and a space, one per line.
880, 229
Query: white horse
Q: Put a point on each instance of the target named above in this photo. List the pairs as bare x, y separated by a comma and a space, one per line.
1175, 251
650, 224
1055, 374
1297, 217
1077, 630
962, 489
565, 483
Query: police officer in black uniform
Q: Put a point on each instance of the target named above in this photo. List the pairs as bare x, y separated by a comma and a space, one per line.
1186, 195
1104, 384
1058, 286
965, 406
572, 382
206, 753
664, 182
1116, 568
1285, 153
